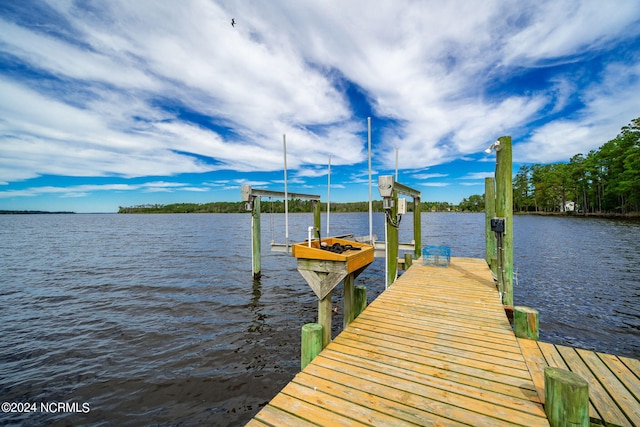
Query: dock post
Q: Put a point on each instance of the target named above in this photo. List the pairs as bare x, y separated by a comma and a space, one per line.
408, 260
311, 343
525, 322
392, 241
417, 229
504, 209
489, 213
324, 318
316, 214
256, 267
359, 300
348, 300
566, 398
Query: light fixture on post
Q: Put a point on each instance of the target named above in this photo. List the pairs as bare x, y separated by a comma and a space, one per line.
494, 146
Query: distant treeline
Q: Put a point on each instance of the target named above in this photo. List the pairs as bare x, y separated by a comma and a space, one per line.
605, 181
294, 205
32, 212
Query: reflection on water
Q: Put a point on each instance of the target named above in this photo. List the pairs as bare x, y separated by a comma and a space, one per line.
156, 318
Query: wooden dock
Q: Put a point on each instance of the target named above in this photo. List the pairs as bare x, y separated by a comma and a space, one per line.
436, 348
614, 381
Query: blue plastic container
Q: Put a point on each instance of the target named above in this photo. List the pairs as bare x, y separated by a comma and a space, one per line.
436, 256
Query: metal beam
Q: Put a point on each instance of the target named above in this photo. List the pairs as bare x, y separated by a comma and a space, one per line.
248, 193
407, 191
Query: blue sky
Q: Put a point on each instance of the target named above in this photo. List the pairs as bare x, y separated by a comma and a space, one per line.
121, 103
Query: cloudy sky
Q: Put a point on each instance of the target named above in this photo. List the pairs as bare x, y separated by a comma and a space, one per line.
120, 103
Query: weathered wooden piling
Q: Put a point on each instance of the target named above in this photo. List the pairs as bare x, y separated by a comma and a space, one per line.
408, 260
391, 232
417, 226
311, 343
504, 209
324, 317
566, 398
526, 323
256, 267
359, 300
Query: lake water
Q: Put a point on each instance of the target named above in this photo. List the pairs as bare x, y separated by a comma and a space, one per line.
155, 319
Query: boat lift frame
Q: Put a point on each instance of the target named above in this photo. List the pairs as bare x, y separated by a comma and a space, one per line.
251, 197
389, 190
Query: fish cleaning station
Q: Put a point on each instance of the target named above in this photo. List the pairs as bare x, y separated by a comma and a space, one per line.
443, 345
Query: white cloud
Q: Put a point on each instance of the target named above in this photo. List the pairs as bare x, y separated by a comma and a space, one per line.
607, 109
429, 175
478, 175
425, 65
566, 28
435, 184
85, 190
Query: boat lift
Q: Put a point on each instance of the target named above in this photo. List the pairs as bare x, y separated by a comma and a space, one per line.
394, 208
251, 197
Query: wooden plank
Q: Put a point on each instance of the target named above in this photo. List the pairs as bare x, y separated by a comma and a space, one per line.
432, 332
601, 400
552, 356
454, 406
361, 415
272, 416
632, 364
312, 412
408, 368
624, 374
452, 356
421, 312
256, 423
536, 364
392, 338
625, 400
443, 322
394, 375
393, 410
440, 361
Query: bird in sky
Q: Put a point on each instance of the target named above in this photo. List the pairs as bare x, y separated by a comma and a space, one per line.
233, 22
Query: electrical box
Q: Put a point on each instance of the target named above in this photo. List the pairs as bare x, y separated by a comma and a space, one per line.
385, 185
497, 225
387, 203
245, 192
402, 206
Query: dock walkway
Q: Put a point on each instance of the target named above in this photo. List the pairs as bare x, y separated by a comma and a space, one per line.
436, 348
614, 381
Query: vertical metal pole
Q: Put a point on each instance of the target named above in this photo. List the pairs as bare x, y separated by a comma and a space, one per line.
397, 164
286, 196
370, 183
328, 194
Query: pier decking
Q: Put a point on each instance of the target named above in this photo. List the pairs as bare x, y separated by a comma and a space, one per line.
614, 381
436, 348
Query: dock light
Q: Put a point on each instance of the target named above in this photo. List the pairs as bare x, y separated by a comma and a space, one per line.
494, 146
